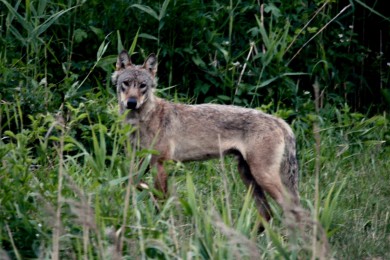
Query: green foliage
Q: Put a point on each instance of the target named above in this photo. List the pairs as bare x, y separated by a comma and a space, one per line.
58, 114
201, 218
238, 52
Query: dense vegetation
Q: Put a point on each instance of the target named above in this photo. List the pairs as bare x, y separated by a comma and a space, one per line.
68, 173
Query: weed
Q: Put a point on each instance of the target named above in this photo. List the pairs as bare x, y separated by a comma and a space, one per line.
69, 178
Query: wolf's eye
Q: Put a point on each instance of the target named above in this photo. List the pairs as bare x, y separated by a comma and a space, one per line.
143, 85
125, 84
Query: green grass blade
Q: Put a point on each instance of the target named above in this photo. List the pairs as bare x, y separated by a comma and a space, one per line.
53, 18
146, 9
119, 42
163, 10
134, 43
21, 20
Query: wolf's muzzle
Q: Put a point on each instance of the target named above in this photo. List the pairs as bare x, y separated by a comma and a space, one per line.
131, 103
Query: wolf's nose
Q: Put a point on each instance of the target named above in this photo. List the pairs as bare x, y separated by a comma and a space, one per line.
131, 103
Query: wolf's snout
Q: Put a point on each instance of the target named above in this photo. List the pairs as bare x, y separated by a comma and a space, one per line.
131, 103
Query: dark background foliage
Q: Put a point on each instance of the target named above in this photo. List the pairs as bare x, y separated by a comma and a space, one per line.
349, 57
57, 56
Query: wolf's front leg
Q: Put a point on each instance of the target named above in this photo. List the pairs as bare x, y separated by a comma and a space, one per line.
161, 182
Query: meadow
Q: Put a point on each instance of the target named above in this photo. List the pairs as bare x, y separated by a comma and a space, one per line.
69, 177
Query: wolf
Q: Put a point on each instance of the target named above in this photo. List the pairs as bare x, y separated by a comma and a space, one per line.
263, 144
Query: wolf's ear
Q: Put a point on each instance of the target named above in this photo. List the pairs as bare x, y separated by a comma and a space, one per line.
151, 64
123, 61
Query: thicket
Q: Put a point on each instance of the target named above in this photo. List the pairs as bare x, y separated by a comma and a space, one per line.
64, 171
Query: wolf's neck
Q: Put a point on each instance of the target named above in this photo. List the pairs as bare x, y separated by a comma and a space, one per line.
147, 109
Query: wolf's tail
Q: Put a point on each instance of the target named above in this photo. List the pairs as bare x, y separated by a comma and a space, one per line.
289, 167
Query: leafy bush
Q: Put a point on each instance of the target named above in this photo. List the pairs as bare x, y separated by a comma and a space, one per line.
68, 173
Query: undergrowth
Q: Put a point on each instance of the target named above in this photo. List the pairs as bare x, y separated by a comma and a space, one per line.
70, 180
54, 189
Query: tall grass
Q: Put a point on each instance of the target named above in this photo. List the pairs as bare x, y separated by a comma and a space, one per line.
96, 211
70, 180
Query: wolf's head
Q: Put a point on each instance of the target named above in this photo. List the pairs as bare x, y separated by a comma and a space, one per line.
134, 83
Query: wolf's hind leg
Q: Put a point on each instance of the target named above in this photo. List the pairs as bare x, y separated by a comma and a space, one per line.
258, 193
